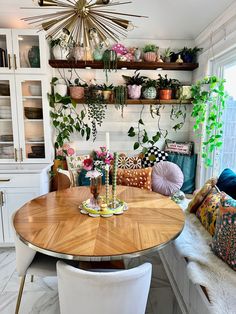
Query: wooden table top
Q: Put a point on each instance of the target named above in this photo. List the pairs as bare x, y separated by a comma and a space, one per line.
52, 224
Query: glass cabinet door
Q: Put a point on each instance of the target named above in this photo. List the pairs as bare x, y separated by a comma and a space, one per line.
5, 51
8, 124
28, 47
31, 101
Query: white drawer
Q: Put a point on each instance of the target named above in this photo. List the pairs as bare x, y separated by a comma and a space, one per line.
19, 180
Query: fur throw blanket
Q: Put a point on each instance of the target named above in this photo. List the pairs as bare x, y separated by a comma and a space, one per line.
205, 268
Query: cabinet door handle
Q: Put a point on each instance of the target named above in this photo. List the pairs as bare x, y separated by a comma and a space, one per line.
15, 154
5, 180
15, 61
1, 198
21, 154
9, 61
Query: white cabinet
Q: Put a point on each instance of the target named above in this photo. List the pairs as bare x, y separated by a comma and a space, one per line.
15, 190
24, 119
22, 51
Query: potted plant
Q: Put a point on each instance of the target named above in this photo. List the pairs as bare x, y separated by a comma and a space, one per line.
107, 91
150, 89
209, 98
150, 53
120, 97
165, 87
60, 49
134, 84
189, 55
167, 55
59, 86
77, 89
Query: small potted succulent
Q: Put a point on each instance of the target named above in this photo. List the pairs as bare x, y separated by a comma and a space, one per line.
107, 91
77, 89
189, 55
150, 53
165, 87
150, 89
167, 55
134, 84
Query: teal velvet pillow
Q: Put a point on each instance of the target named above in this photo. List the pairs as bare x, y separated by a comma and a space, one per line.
227, 182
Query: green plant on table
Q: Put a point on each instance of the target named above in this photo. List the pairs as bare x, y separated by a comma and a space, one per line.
149, 48
209, 98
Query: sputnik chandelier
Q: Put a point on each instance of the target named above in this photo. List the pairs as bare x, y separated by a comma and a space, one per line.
88, 23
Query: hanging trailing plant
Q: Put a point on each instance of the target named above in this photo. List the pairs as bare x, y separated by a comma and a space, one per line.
120, 98
109, 61
96, 108
209, 98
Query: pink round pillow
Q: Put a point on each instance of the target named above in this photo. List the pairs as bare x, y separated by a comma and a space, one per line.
167, 178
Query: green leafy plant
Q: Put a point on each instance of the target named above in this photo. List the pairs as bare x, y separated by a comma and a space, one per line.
136, 79
164, 83
107, 87
150, 83
109, 61
120, 97
77, 82
209, 98
96, 108
167, 53
190, 54
149, 48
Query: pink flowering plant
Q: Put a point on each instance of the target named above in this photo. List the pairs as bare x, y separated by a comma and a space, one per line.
97, 162
64, 151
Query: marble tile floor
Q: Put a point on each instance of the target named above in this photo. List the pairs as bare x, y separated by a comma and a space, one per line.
41, 297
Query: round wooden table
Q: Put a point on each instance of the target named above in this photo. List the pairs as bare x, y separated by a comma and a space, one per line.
52, 224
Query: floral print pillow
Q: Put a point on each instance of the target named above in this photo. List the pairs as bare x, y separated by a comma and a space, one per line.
207, 211
75, 162
224, 240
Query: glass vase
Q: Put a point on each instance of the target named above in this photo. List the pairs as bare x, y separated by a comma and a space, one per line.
95, 188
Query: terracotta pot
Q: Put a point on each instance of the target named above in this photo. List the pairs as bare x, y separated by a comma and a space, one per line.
57, 164
134, 91
165, 94
77, 92
150, 56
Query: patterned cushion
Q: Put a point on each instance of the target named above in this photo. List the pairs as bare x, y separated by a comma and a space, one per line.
152, 156
74, 164
207, 211
167, 178
140, 178
182, 148
200, 195
223, 244
125, 162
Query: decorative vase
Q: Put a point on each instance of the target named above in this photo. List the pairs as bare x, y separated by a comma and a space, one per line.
97, 54
77, 92
78, 53
150, 56
179, 60
34, 57
134, 91
60, 53
95, 188
150, 93
137, 54
60, 89
165, 94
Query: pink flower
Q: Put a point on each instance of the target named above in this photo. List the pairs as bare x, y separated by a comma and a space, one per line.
88, 164
70, 151
107, 161
60, 153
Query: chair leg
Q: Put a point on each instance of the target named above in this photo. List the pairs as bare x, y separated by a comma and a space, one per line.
32, 278
22, 283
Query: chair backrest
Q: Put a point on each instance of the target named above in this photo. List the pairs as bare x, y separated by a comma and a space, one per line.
121, 292
24, 254
65, 179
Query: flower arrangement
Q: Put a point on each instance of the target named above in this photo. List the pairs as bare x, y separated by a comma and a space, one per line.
97, 162
64, 151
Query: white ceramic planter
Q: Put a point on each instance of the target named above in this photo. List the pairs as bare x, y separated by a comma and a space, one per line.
60, 53
60, 89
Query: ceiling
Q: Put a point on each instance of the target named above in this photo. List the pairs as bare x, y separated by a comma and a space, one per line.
168, 19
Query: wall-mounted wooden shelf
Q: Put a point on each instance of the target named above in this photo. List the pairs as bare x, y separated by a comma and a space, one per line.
148, 102
125, 65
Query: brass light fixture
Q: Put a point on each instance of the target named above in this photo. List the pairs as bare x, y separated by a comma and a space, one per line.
88, 22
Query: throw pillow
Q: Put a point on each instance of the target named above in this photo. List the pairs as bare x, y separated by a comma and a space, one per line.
223, 244
167, 178
207, 211
200, 195
182, 148
74, 164
140, 178
125, 162
152, 156
227, 182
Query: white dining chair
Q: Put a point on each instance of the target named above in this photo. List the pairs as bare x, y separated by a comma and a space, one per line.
87, 292
30, 262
